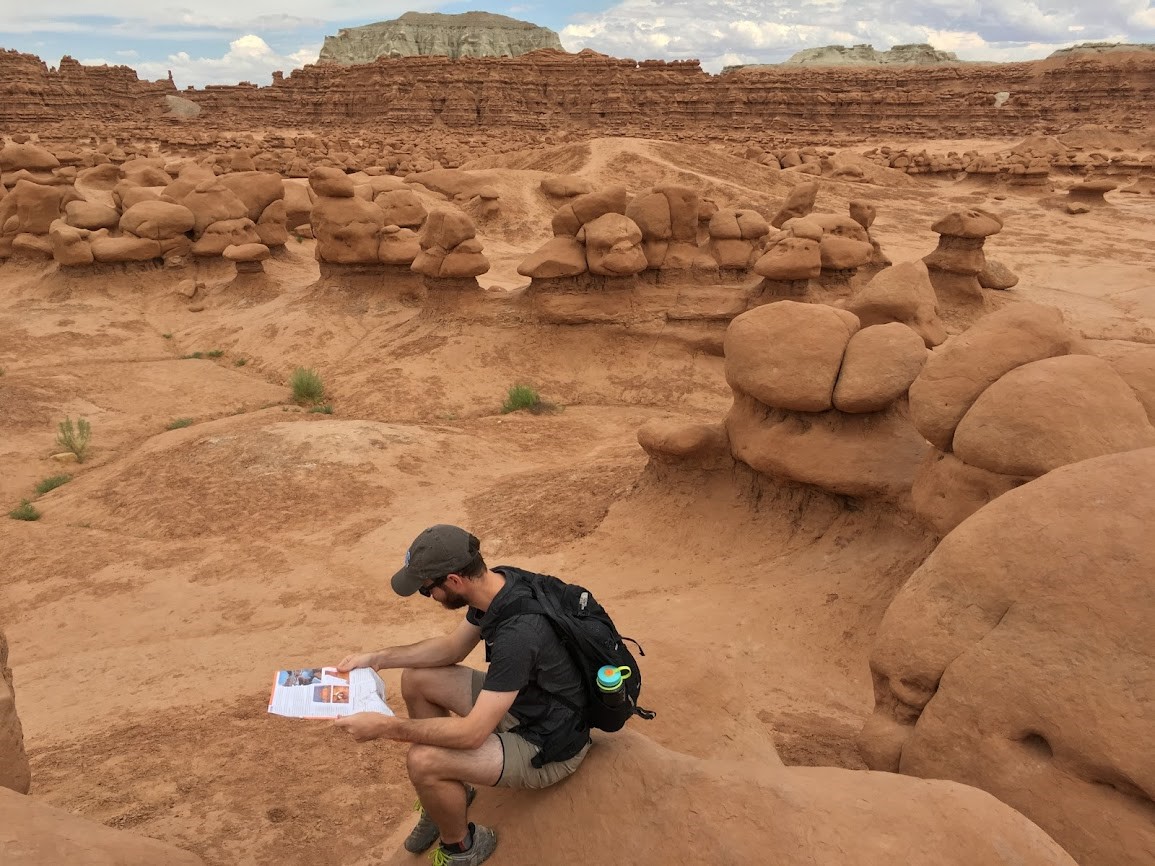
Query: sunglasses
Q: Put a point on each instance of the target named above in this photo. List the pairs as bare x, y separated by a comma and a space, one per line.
427, 590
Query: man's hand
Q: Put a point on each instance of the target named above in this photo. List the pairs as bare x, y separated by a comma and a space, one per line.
357, 660
365, 726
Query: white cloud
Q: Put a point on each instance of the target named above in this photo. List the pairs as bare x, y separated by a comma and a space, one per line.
150, 18
718, 32
249, 58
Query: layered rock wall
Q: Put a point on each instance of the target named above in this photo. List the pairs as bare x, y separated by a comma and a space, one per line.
32, 93
551, 90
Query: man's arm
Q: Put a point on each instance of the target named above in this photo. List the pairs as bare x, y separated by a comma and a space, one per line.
449, 733
435, 652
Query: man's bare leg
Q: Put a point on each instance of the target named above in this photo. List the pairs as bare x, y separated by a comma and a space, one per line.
437, 775
433, 692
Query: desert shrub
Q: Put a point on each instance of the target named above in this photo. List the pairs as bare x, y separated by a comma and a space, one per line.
240, 362
525, 397
74, 438
307, 387
51, 483
24, 511
215, 353
520, 397
323, 409
178, 423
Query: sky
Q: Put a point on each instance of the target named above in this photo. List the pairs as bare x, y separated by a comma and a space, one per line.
226, 41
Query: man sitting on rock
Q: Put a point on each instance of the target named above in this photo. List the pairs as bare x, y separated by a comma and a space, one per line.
520, 725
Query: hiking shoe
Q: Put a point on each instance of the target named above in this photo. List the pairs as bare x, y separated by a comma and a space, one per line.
426, 832
484, 844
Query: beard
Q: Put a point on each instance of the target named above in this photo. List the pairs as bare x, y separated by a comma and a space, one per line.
452, 600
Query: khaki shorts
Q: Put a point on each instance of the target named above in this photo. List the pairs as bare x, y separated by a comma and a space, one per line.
517, 769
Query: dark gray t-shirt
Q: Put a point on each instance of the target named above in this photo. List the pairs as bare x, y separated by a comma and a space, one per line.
526, 656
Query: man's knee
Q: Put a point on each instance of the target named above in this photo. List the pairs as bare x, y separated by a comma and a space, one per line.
414, 682
422, 762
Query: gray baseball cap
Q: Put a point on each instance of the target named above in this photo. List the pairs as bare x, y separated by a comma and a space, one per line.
436, 552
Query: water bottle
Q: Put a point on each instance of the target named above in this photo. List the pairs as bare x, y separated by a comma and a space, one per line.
611, 684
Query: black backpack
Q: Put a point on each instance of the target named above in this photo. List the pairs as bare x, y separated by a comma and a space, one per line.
592, 639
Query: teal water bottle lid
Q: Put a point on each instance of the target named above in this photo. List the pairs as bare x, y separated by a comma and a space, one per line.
610, 678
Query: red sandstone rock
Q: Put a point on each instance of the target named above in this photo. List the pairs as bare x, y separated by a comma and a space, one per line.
91, 215
256, 189
13, 762
560, 256
226, 233
902, 293
958, 372
70, 245
787, 354
1049, 413
124, 249
853, 455
879, 364
946, 491
1017, 658
347, 229
701, 445
799, 203
33, 833
157, 220
790, 259
613, 245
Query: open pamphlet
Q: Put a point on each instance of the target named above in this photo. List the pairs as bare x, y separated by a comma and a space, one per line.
326, 693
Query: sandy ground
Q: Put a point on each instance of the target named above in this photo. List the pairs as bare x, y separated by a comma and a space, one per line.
149, 607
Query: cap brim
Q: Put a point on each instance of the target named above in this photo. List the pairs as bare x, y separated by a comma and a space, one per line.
404, 583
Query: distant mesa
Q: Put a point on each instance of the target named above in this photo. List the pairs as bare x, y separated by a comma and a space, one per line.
1101, 48
919, 54
470, 34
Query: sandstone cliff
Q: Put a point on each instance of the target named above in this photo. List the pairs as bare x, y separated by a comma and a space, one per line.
550, 90
31, 93
592, 94
470, 34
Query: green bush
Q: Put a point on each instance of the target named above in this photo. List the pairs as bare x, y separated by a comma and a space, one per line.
178, 423
51, 483
74, 438
521, 397
307, 387
24, 511
323, 409
215, 353
240, 362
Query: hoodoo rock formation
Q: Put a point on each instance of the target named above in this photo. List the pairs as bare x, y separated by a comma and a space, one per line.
818, 400
468, 34
1018, 659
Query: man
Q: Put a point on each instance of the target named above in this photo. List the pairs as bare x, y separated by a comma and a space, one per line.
467, 727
